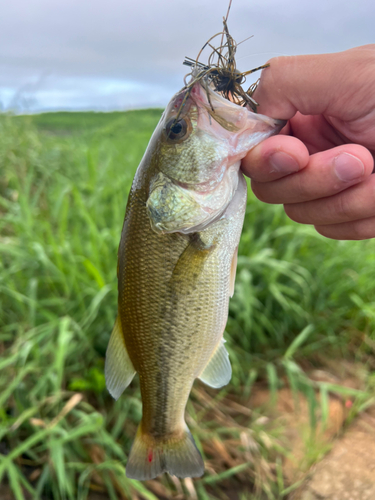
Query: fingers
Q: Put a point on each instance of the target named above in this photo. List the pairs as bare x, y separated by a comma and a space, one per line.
357, 230
325, 174
275, 158
330, 84
353, 204
333, 190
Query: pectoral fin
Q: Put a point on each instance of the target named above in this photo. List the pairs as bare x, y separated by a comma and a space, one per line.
218, 371
119, 370
190, 265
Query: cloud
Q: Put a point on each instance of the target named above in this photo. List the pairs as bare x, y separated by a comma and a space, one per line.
120, 54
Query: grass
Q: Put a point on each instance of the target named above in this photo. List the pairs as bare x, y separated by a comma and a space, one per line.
64, 179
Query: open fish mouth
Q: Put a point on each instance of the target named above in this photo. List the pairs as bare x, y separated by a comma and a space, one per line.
229, 114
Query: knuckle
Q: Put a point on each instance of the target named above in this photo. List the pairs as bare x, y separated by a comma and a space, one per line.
363, 229
356, 231
343, 209
301, 189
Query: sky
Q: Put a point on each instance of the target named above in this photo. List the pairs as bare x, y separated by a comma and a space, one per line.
121, 54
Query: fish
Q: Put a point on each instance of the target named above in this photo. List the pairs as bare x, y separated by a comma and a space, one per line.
177, 262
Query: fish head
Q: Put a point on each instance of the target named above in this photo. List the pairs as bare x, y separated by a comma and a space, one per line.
202, 139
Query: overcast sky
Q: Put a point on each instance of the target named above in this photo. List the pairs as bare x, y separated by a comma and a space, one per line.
121, 54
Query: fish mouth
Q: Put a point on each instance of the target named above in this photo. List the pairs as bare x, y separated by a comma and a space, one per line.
231, 117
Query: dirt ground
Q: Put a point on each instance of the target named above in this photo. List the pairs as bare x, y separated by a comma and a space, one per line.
338, 462
348, 471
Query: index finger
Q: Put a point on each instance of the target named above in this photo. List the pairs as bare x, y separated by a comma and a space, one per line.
316, 84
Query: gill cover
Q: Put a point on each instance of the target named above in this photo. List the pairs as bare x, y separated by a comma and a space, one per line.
173, 208
199, 158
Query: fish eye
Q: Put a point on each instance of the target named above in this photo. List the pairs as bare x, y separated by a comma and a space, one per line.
176, 129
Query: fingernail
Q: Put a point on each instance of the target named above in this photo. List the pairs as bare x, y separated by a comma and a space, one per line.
348, 167
282, 162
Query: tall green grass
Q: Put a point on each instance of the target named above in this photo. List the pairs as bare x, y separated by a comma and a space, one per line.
64, 180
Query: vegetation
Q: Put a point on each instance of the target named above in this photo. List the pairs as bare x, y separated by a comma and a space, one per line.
64, 179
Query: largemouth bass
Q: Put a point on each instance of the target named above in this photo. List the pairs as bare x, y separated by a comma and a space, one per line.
176, 270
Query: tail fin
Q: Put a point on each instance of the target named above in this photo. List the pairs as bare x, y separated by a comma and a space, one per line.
177, 455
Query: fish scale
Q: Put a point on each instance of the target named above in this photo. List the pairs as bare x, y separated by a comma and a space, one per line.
176, 268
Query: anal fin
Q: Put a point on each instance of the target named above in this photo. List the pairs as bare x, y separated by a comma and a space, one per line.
119, 370
218, 371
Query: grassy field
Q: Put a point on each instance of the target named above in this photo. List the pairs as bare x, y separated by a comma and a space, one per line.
299, 299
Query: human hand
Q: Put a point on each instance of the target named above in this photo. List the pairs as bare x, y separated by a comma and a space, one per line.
320, 168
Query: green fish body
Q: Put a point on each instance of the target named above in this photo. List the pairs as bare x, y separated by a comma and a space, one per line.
176, 270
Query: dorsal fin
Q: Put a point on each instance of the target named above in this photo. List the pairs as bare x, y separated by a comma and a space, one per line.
119, 370
218, 371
